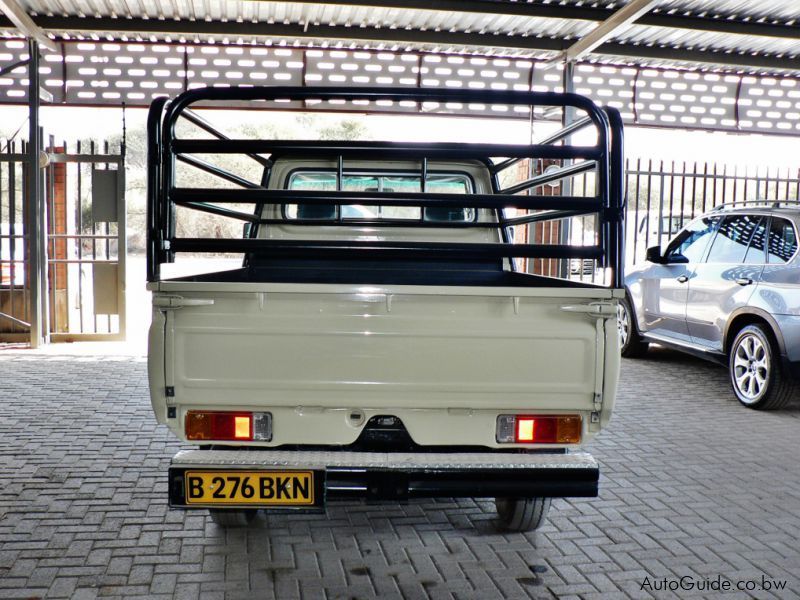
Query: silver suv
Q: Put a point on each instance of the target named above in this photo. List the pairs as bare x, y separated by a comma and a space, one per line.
726, 288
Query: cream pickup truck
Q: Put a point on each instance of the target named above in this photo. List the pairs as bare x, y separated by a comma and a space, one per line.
386, 336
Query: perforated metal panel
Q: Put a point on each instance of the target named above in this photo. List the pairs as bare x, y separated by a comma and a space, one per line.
97, 73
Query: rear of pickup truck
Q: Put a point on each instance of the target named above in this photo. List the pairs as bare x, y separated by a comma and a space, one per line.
380, 340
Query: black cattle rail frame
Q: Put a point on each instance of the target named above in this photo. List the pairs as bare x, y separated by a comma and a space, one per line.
605, 158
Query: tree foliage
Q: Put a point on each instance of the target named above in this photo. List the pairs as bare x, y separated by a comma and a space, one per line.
197, 224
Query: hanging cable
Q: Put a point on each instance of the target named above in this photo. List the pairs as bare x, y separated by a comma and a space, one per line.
124, 144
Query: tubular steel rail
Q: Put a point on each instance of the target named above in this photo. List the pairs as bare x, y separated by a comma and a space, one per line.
165, 148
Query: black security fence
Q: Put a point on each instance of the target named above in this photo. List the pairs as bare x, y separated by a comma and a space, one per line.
663, 196
14, 281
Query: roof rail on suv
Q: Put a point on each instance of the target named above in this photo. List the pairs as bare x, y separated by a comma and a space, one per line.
753, 203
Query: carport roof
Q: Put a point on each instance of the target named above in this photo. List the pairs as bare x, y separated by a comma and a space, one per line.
748, 36
731, 65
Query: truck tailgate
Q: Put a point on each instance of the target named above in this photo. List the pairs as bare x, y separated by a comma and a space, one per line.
349, 346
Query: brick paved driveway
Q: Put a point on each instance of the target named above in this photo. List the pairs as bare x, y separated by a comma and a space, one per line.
693, 485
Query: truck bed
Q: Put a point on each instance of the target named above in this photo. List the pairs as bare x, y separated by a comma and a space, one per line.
444, 273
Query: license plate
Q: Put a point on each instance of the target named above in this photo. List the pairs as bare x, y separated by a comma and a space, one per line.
257, 488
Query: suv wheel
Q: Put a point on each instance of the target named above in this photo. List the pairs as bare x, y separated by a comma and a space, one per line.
630, 344
756, 373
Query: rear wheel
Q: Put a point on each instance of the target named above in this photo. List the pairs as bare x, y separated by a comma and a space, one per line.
630, 344
232, 517
521, 514
756, 373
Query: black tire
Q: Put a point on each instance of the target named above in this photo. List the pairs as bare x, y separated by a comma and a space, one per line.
232, 517
755, 370
521, 514
631, 345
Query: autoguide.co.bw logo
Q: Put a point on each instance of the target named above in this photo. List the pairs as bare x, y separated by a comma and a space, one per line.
717, 584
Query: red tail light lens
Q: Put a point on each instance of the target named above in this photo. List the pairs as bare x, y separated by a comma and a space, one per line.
539, 429
228, 426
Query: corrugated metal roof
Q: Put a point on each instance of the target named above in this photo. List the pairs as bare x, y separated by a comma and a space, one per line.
302, 13
245, 42
496, 25
686, 38
779, 10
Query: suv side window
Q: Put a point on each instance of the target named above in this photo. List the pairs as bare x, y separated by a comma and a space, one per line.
782, 241
758, 243
732, 239
692, 241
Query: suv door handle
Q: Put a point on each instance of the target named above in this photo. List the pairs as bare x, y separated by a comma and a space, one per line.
744, 281
683, 279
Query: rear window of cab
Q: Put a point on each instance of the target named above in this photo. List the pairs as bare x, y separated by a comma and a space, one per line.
455, 183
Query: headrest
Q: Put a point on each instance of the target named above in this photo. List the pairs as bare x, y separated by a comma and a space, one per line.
315, 211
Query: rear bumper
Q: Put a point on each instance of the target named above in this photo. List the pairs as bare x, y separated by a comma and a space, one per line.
399, 476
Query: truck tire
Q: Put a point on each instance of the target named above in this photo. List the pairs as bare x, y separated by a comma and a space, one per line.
521, 514
631, 345
756, 373
232, 517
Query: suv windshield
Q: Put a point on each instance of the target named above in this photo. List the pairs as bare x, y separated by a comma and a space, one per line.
690, 244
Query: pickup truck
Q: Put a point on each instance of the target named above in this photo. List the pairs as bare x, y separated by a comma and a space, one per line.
384, 337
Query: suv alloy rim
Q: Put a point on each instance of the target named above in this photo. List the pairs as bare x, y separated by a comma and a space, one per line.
622, 323
750, 367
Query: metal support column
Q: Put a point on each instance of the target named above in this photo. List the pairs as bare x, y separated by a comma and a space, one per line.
36, 211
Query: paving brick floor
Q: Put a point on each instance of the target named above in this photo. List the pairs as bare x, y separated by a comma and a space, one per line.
693, 485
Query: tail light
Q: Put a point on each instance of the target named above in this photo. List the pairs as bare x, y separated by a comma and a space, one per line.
539, 429
228, 426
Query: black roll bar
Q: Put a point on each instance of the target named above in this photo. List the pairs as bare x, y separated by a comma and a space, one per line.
614, 216
317, 198
196, 119
394, 150
217, 171
156, 202
382, 250
165, 148
562, 173
559, 135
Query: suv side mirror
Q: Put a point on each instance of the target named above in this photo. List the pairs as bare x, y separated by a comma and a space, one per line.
246, 229
653, 255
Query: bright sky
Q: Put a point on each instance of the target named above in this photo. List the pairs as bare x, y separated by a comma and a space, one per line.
740, 149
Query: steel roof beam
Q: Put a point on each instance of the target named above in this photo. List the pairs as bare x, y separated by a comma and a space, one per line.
619, 21
718, 57
102, 25
734, 24
22, 21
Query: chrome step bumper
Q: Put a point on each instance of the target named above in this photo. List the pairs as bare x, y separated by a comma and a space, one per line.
401, 475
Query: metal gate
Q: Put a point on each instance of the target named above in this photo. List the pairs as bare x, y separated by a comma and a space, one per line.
83, 198
664, 196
